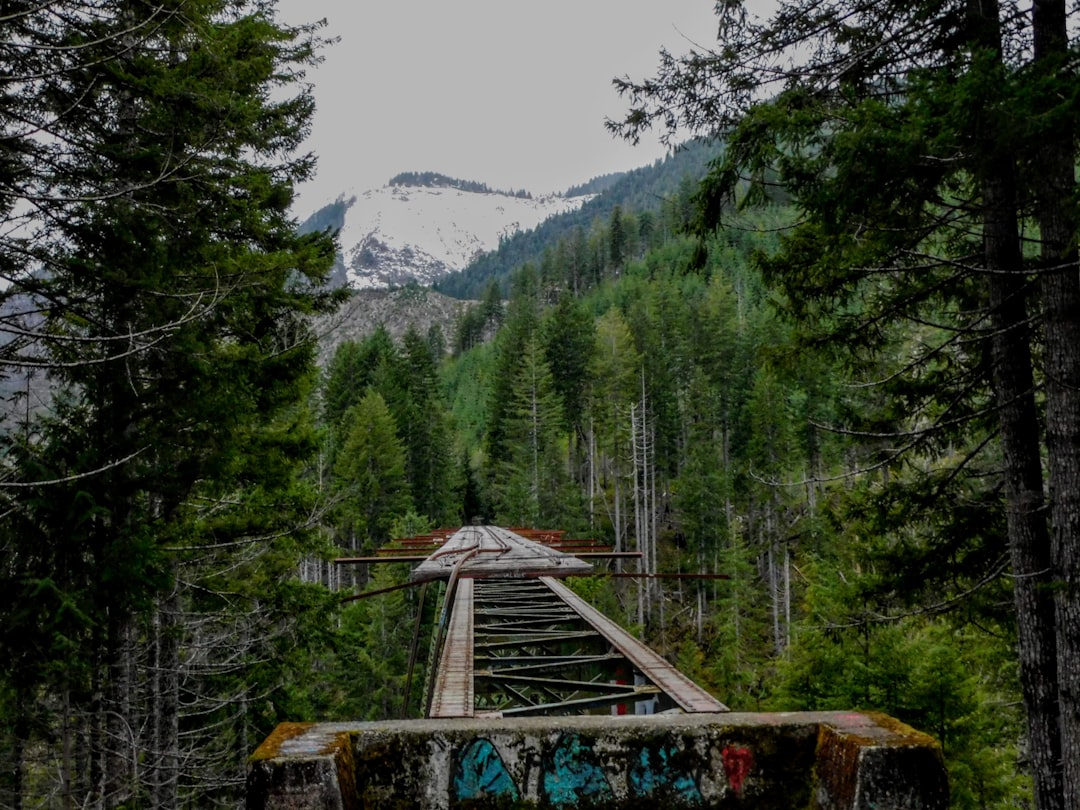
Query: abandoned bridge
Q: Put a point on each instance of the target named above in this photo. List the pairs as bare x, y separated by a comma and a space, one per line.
533, 698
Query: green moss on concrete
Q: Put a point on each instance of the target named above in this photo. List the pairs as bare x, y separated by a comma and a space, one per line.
271, 746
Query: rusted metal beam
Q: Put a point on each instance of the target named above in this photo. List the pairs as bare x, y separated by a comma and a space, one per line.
406, 558
661, 575
631, 695
689, 696
501, 554
551, 683
543, 650
380, 591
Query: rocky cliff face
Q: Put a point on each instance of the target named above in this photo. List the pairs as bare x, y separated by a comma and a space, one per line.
395, 310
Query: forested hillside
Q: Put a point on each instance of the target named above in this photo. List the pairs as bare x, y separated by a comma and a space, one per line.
662, 402
930, 153
647, 191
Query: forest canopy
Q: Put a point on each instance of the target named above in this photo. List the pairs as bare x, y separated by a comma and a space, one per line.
155, 337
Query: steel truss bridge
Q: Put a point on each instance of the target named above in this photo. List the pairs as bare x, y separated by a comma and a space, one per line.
512, 640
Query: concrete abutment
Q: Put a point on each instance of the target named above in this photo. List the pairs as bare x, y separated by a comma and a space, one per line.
766, 761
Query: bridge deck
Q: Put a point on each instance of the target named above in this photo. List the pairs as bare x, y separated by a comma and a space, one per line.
512, 642
489, 551
453, 691
517, 642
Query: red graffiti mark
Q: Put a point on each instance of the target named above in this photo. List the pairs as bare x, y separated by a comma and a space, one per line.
737, 765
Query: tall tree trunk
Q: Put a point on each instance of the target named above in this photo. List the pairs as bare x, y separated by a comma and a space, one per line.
83, 766
67, 743
700, 600
1014, 391
1060, 287
643, 560
656, 596
13, 780
165, 710
590, 443
787, 594
618, 520
119, 720
654, 512
774, 579
1029, 541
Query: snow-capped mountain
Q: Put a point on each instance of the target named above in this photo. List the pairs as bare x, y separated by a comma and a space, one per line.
404, 233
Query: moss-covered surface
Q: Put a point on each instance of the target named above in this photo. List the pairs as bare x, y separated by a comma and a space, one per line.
272, 745
303, 765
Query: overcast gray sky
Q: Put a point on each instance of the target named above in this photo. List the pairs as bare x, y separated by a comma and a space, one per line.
511, 93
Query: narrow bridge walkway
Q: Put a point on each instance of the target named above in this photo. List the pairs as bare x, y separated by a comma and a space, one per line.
514, 641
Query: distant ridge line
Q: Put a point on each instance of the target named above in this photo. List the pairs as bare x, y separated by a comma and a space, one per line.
437, 180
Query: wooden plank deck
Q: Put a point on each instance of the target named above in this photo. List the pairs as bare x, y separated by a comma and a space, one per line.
453, 695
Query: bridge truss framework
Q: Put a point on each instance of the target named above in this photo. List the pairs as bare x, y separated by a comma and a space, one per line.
513, 640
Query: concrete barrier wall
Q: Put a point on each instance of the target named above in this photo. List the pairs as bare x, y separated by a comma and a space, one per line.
825, 760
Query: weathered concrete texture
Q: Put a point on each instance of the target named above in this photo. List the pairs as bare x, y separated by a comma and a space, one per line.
872, 761
303, 766
826, 760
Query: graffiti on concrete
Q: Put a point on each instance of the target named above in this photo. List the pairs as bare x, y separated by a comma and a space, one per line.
479, 773
572, 773
657, 774
737, 765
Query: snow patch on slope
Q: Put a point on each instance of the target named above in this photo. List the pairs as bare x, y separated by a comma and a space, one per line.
397, 234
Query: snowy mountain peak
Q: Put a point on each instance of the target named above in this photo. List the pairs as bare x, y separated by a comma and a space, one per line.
419, 228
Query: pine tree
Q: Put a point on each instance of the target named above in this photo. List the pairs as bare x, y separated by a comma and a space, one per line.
354, 367
371, 482
615, 369
166, 290
534, 486
415, 398
569, 341
521, 325
912, 138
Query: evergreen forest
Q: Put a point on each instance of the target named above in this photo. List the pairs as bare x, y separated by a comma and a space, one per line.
671, 407
832, 359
